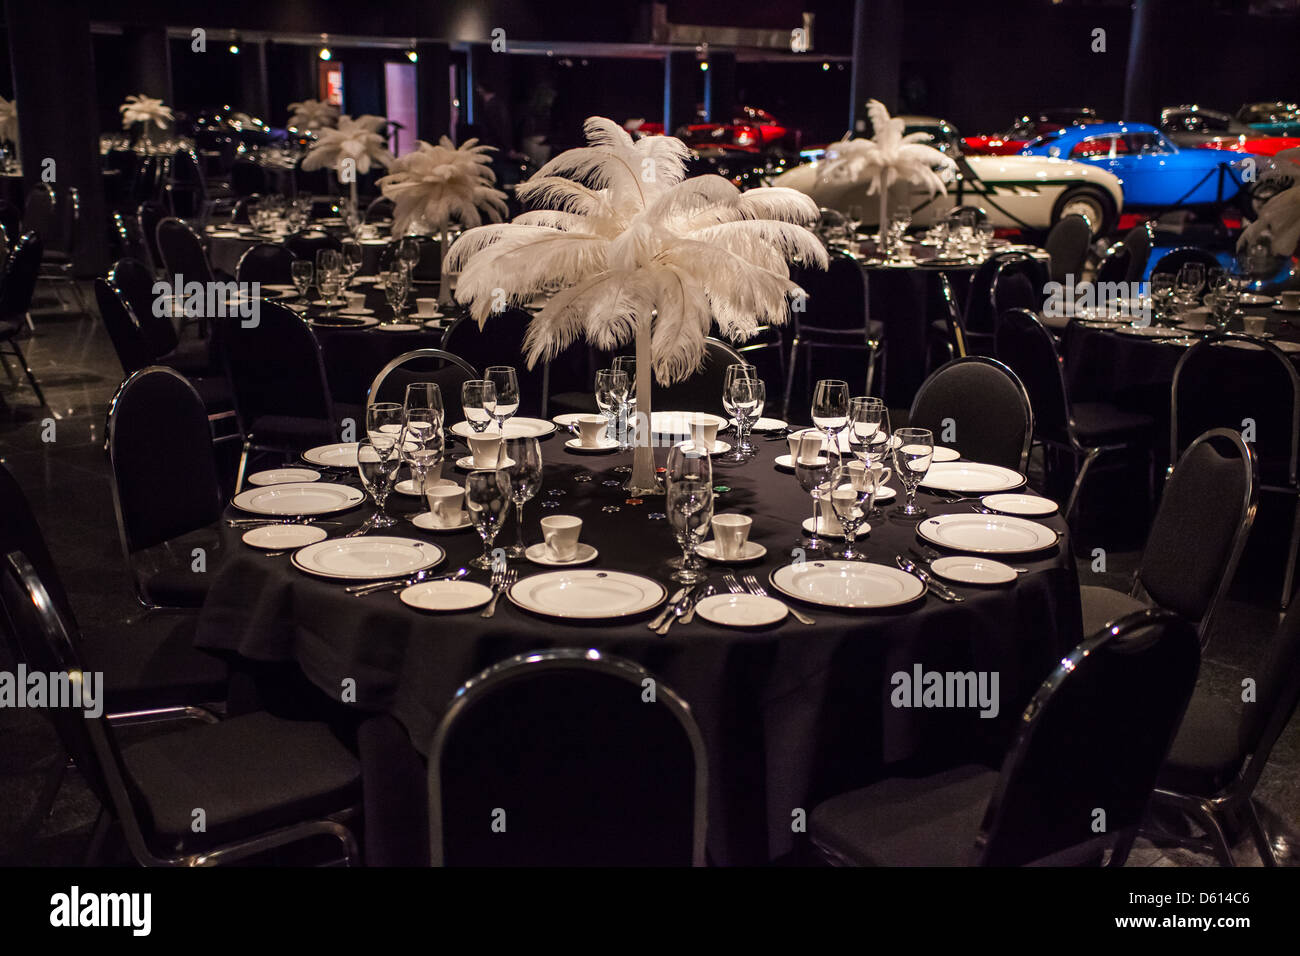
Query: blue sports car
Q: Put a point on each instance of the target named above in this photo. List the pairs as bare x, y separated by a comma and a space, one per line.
1154, 172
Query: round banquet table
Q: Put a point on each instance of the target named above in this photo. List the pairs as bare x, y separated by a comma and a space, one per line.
790, 714
226, 244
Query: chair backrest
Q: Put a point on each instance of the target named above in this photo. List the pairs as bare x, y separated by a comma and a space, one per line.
275, 368
1117, 264
1276, 694
133, 281
1017, 284
560, 749
19, 284
182, 251
983, 406
979, 316
947, 308
1138, 241
448, 370
148, 215
836, 296
124, 331
701, 391
1026, 347
500, 342
1092, 739
38, 210
19, 531
1225, 380
1068, 244
267, 263
379, 210
308, 242
1213, 489
68, 216
162, 488
1175, 259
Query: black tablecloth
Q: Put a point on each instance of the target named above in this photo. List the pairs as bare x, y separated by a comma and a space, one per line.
790, 715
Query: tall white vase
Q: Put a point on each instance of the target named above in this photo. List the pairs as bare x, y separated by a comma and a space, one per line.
644, 479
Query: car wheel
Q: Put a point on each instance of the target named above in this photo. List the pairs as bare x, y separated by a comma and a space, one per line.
1092, 204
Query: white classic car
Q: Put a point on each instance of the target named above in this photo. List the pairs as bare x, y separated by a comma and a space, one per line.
1017, 192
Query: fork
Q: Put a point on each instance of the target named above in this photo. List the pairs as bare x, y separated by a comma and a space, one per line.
363, 528
501, 582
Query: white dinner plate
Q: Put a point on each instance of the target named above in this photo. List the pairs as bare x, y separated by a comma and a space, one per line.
852, 584
367, 558
299, 498
969, 477
606, 444
987, 534
280, 476
342, 455
424, 521
515, 428
345, 322
1032, 505
356, 312
570, 418
968, 570
741, 610
399, 327
541, 554
679, 423
751, 552
587, 594
1151, 332
1283, 344
446, 595
1279, 307
279, 287
765, 425
942, 453
1254, 298
435, 324
1103, 324
279, 537
407, 485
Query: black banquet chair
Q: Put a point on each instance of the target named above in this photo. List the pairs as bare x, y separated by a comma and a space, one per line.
701, 391
979, 319
267, 263
1213, 490
263, 782
1175, 259
308, 242
1068, 244
501, 342
1094, 736
985, 404
556, 758
448, 371
166, 494
182, 251
16, 291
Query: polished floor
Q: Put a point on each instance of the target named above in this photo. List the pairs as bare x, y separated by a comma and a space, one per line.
57, 456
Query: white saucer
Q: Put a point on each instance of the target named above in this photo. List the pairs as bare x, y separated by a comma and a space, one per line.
570, 418
968, 570
398, 327
752, 552
278, 476
281, 537
943, 453
765, 425
823, 531
424, 521
541, 554
606, 444
426, 319
719, 448
407, 485
1019, 504
435, 324
741, 610
356, 311
1279, 307
467, 464
446, 595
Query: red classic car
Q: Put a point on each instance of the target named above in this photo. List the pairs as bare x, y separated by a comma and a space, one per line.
1027, 129
751, 130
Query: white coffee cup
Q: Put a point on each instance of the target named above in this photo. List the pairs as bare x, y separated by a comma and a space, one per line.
796, 438
1196, 318
426, 308
811, 447
704, 432
1254, 324
356, 300
731, 532
486, 450
445, 504
591, 430
830, 522
561, 535
1291, 299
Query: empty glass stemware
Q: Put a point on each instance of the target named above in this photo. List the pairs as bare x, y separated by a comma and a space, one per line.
377, 467
830, 410
851, 491
627, 365
487, 498
811, 468
507, 389
478, 398
611, 397
524, 475
868, 435
422, 450
689, 482
300, 270
397, 285
743, 397
912, 457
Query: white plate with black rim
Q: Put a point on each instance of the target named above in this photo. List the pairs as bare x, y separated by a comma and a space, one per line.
367, 558
679, 423
847, 584
965, 569
1027, 505
281, 476
765, 425
299, 498
970, 477
283, 537
341, 455
515, 428
987, 534
589, 595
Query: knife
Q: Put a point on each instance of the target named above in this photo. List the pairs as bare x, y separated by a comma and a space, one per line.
941, 591
663, 615
696, 598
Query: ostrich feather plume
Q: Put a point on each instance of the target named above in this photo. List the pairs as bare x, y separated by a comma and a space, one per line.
144, 109
356, 138
434, 186
886, 157
313, 115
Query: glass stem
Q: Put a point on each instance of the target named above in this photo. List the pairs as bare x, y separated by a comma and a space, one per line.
519, 524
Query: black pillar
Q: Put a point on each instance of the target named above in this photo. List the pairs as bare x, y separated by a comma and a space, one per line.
54, 79
150, 62
1151, 20
877, 40
720, 87
254, 96
680, 71
433, 91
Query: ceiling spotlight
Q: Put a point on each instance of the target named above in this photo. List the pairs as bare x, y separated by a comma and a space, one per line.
325, 53
826, 66
704, 66
234, 48
412, 56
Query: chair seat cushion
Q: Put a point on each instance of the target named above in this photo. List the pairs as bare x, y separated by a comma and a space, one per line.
153, 663
168, 572
249, 774
1097, 423
927, 821
1205, 755
1103, 605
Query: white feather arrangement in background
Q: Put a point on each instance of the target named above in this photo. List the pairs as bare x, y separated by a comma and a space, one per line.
312, 115
356, 139
144, 109
434, 187
8, 121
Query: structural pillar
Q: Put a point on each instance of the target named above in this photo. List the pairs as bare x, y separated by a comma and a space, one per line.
877, 46
680, 83
150, 62
720, 87
254, 96
1151, 21
433, 91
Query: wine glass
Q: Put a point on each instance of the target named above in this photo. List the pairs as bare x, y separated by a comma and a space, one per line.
912, 458
301, 271
524, 476
868, 435
689, 480
1162, 288
377, 467
854, 215
743, 397
627, 365
353, 257
422, 449
830, 410
397, 285
852, 492
611, 397
384, 422
811, 468
426, 399
487, 498
1187, 285
408, 254
478, 398
507, 388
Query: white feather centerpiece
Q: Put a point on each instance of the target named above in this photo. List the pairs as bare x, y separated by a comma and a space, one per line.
884, 159
351, 149
643, 255
145, 110
312, 115
435, 187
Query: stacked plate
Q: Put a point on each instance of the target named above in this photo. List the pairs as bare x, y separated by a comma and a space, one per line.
342, 455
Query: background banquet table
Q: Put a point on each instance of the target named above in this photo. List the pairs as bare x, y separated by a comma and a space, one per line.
790, 714
226, 244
